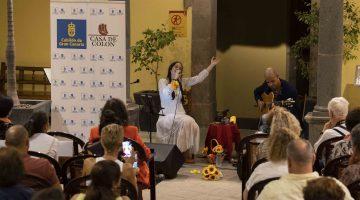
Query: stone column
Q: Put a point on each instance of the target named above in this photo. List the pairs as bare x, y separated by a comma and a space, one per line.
203, 47
329, 63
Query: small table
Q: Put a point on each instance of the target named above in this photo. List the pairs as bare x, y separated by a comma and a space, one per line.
225, 134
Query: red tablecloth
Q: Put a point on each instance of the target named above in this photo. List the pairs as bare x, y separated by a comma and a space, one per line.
225, 134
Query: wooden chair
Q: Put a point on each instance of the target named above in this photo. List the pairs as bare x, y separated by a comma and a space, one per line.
256, 189
244, 156
257, 163
52, 161
323, 153
76, 186
128, 189
76, 141
354, 189
35, 182
334, 167
72, 168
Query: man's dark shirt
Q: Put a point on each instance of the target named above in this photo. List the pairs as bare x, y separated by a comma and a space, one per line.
287, 91
17, 192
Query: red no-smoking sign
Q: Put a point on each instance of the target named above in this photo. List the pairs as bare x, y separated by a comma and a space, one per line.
176, 19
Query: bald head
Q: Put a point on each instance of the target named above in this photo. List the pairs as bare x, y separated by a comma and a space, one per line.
17, 136
300, 155
272, 79
270, 73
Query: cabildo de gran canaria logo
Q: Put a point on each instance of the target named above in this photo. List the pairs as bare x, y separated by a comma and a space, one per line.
103, 38
71, 34
71, 29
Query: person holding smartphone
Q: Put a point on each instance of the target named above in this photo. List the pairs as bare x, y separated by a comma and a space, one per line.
114, 111
111, 140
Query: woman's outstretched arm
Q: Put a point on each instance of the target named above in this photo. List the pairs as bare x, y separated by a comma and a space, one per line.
188, 82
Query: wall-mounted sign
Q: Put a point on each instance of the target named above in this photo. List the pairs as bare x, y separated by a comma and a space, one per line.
178, 23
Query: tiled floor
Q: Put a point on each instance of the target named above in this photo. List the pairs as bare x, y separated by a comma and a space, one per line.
190, 186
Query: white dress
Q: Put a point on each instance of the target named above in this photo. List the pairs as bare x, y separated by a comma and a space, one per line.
181, 130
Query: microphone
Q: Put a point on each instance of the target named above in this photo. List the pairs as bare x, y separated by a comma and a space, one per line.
137, 81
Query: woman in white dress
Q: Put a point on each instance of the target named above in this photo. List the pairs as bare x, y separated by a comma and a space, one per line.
176, 127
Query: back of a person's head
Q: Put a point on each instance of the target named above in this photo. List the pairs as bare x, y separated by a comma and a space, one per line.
353, 118
112, 137
323, 189
16, 136
108, 117
300, 153
355, 141
11, 167
278, 144
119, 109
37, 123
104, 175
52, 193
338, 106
6, 104
284, 119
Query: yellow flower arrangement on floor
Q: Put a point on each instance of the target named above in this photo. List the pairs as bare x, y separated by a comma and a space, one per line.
211, 172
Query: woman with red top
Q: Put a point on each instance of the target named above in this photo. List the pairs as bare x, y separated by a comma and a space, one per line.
114, 111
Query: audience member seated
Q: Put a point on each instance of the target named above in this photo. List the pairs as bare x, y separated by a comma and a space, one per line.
52, 193
18, 137
335, 127
323, 189
343, 147
114, 111
105, 182
281, 119
352, 172
277, 165
6, 105
12, 170
300, 157
111, 139
41, 142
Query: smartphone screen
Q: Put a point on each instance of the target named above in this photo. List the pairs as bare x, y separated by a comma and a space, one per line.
127, 148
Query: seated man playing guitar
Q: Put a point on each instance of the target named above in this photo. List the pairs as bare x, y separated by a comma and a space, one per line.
275, 91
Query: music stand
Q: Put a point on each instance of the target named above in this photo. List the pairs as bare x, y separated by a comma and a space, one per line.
149, 107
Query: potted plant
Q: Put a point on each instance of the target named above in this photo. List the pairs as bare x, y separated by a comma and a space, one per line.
146, 55
22, 109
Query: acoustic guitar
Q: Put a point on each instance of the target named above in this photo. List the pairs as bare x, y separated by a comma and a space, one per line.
269, 102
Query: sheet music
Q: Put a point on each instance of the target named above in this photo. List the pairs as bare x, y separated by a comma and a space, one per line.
48, 73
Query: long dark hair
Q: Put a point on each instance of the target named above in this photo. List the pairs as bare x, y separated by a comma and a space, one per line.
119, 109
104, 175
169, 79
108, 117
355, 141
37, 122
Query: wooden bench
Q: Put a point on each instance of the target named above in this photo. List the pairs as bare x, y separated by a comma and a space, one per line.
32, 82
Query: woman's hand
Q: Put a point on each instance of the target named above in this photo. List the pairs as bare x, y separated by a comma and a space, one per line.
214, 61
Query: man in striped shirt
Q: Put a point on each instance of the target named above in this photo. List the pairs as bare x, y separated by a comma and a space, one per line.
335, 127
